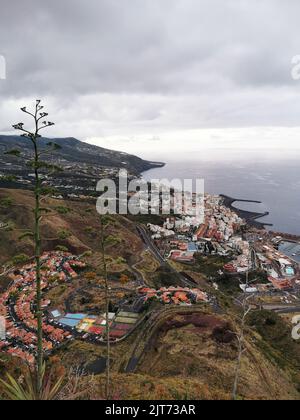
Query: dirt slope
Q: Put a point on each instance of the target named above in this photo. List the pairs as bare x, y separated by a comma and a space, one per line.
73, 224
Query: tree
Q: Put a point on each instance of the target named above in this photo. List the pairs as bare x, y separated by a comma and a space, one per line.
37, 164
20, 259
241, 344
246, 309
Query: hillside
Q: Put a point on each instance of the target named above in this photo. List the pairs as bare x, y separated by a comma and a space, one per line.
73, 224
74, 151
185, 353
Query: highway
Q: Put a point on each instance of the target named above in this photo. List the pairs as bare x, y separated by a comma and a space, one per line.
148, 241
151, 246
282, 309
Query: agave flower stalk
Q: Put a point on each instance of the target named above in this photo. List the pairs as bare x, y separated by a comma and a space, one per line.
34, 136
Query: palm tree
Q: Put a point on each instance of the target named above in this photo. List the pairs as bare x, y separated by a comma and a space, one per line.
33, 136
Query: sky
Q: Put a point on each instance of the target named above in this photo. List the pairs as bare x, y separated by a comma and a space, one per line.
150, 76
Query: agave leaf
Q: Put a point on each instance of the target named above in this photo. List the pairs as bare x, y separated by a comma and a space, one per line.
28, 392
13, 389
55, 389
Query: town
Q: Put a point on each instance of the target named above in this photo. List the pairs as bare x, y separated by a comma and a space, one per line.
247, 248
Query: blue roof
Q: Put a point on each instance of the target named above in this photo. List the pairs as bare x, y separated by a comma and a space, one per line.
76, 316
192, 247
56, 314
69, 322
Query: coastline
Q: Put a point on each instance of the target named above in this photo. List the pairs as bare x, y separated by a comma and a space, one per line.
250, 216
277, 193
153, 165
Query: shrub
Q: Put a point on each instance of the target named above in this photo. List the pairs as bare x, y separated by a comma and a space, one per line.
64, 234
89, 229
62, 210
120, 260
6, 202
8, 178
124, 279
112, 240
49, 191
61, 248
20, 259
87, 254
106, 220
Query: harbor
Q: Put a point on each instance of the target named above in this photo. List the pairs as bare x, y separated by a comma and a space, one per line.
250, 216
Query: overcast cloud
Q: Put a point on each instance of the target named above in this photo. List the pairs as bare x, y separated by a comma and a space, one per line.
121, 71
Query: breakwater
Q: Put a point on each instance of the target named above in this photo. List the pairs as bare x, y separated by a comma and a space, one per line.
250, 216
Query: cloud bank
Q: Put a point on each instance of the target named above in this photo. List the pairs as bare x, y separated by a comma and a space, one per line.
118, 71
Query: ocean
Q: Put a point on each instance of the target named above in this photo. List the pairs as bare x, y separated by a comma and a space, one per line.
272, 179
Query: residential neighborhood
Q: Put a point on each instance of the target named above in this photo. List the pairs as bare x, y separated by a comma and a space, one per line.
18, 301
17, 305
